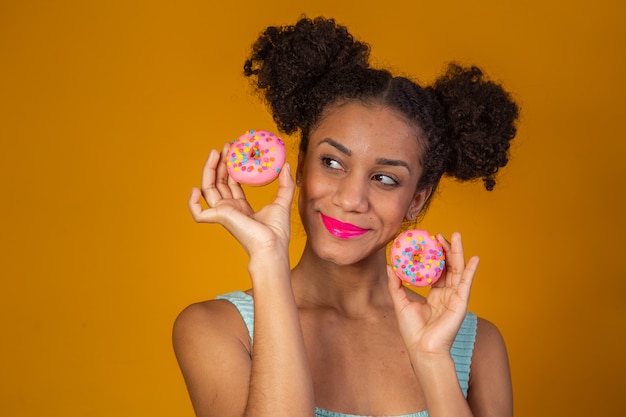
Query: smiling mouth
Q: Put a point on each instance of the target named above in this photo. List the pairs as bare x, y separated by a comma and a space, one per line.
340, 229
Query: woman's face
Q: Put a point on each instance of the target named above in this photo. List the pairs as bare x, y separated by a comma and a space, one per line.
358, 181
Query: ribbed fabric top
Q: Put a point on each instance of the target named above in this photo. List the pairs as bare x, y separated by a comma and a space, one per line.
324, 413
461, 351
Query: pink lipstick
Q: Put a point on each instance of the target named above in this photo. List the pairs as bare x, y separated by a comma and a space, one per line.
342, 230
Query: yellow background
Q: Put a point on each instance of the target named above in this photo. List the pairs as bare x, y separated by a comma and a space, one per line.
108, 110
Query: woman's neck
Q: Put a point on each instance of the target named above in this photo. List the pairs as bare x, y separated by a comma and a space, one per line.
353, 290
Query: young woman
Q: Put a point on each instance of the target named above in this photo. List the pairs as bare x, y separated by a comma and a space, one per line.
338, 334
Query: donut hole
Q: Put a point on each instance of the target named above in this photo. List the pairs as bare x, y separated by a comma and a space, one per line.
255, 152
417, 256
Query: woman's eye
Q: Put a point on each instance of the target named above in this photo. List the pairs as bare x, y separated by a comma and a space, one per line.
330, 163
385, 179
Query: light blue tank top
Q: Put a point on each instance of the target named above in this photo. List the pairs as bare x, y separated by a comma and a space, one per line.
461, 351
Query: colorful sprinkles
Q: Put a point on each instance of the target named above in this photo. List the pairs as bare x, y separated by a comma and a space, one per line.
256, 157
418, 258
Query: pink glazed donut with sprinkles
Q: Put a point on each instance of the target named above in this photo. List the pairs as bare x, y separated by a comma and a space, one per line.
256, 157
417, 258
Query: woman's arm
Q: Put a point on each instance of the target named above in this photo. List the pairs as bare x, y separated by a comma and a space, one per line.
223, 379
281, 382
429, 328
490, 390
212, 351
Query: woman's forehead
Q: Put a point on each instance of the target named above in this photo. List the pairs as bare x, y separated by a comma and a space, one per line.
370, 127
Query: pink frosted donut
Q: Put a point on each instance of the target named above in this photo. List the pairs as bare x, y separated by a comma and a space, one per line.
418, 258
256, 157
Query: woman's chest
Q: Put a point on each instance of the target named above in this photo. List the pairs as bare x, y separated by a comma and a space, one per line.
361, 367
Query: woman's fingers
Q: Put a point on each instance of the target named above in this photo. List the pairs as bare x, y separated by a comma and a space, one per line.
216, 183
286, 187
455, 260
396, 290
467, 278
222, 177
455, 256
458, 274
444, 242
195, 207
235, 189
209, 176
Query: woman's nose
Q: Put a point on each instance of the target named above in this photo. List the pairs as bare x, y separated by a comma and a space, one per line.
351, 194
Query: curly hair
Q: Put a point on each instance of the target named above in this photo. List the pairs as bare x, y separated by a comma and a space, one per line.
466, 121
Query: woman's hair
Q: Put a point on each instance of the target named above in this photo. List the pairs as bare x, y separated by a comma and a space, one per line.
466, 121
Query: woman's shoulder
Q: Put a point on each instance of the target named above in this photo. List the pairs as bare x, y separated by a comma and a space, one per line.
211, 321
489, 350
204, 313
488, 334
213, 351
490, 375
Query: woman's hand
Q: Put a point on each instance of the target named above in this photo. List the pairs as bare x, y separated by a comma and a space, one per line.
269, 228
430, 326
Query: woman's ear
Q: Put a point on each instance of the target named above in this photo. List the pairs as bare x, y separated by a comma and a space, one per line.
418, 203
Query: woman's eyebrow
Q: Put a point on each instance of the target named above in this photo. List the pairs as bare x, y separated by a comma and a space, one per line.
394, 162
381, 161
336, 145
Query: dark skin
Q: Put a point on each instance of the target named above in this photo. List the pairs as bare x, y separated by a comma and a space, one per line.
338, 330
